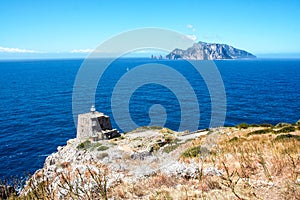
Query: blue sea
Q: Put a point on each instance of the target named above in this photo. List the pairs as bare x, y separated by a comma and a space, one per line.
36, 101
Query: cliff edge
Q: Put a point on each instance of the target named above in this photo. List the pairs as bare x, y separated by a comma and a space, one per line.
242, 162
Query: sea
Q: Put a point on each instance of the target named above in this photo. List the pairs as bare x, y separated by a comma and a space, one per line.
36, 108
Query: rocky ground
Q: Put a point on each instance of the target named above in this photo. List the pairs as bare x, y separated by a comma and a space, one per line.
243, 162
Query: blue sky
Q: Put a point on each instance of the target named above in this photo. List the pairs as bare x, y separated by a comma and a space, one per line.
55, 28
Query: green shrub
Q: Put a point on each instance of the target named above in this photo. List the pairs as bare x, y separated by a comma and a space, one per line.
266, 125
155, 147
102, 148
84, 145
287, 136
170, 148
191, 152
259, 132
92, 146
155, 127
237, 139
254, 125
234, 139
169, 139
242, 126
122, 137
286, 129
282, 124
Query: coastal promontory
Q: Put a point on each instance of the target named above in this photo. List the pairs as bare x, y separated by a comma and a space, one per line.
242, 162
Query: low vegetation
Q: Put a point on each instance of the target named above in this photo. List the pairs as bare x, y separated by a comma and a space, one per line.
166, 131
286, 129
288, 137
170, 148
242, 125
84, 145
245, 125
261, 131
145, 128
102, 148
191, 152
242, 162
88, 145
169, 139
266, 125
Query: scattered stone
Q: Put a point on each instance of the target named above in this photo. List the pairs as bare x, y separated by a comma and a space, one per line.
180, 169
212, 171
130, 160
140, 155
59, 148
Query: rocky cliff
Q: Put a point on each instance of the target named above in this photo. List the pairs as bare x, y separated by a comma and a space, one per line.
242, 162
209, 51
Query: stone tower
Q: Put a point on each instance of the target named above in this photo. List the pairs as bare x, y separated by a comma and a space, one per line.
95, 126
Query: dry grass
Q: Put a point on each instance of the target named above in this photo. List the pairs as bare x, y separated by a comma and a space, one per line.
260, 160
256, 163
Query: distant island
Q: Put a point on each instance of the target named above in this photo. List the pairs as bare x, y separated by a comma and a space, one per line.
209, 51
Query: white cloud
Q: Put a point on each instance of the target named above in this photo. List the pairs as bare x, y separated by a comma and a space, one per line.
81, 50
192, 37
16, 50
190, 26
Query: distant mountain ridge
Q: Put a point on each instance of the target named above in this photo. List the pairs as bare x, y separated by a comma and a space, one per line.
209, 51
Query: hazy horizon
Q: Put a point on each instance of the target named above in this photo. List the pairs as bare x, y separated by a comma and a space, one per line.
133, 55
56, 29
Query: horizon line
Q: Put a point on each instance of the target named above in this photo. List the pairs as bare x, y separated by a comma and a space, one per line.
137, 57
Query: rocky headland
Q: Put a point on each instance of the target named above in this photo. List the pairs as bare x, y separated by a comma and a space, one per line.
209, 51
242, 162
